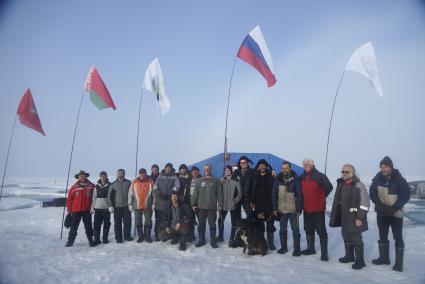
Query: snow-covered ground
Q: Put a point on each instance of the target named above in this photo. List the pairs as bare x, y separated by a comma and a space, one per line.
32, 252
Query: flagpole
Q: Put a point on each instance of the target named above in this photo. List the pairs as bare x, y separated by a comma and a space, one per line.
330, 122
227, 114
138, 130
70, 158
7, 156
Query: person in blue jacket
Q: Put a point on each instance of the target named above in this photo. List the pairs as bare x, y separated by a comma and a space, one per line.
390, 192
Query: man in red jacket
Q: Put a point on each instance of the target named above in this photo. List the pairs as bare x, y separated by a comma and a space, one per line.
315, 186
78, 204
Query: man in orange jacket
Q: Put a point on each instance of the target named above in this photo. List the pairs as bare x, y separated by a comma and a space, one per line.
79, 204
140, 201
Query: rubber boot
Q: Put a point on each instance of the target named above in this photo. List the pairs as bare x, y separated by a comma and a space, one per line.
399, 252
270, 240
349, 253
283, 243
310, 246
297, 249
359, 264
384, 252
324, 249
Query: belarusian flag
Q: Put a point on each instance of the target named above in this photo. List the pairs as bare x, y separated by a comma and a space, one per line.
27, 113
99, 94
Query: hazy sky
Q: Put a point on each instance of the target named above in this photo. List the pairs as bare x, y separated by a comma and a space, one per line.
49, 47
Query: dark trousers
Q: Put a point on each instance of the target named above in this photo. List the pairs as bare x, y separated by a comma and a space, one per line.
101, 216
315, 222
352, 238
203, 215
158, 222
76, 218
292, 218
122, 215
246, 205
234, 215
396, 224
138, 216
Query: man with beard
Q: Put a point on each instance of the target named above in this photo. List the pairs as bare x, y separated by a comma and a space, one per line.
262, 198
245, 175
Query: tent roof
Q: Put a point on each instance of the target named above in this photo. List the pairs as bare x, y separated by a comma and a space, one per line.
217, 162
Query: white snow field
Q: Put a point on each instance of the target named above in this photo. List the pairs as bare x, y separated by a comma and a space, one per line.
32, 252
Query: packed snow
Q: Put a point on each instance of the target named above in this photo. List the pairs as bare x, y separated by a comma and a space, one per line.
31, 251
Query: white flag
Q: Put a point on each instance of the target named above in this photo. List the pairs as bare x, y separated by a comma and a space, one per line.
154, 82
363, 61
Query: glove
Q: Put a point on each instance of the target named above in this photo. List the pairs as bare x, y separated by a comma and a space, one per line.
92, 211
130, 207
111, 209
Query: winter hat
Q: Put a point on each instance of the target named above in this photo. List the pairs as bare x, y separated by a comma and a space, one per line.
244, 158
182, 166
169, 165
155, 166
103, 173
386, 161
81, 173
142, 171
263, 162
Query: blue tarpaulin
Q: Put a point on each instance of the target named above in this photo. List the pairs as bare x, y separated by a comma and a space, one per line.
217, 162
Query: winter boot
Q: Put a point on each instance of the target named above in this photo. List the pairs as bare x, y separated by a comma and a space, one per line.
324, 249
384, 251
105, 234
399, 251
139, 231
232, 242
71, 239
148, 234
212, 239
310, 246
359, 264
297, 249
270, 240
349, 254
201, 241
182, 245
283, 243
91, 242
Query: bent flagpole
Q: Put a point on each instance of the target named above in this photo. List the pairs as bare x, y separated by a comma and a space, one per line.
7, 156
70, 158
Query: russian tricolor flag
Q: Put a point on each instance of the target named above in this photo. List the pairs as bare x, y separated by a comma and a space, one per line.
255, 52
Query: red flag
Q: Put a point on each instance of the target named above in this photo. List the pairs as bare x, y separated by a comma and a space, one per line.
27, 113
99, 94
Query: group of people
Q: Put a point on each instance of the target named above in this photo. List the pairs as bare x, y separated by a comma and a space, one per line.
181, 200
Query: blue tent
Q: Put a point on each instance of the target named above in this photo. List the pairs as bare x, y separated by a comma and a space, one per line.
217, 162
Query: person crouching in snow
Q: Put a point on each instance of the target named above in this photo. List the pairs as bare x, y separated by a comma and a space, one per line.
177, 222
140, 201
100, 209
78, 204
349, 211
